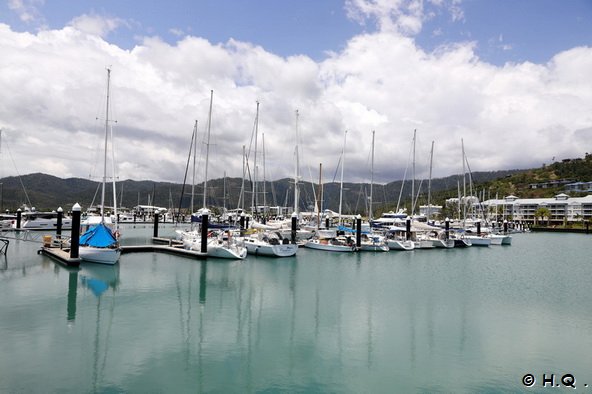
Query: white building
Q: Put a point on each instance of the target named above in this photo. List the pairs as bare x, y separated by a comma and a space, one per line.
561, 207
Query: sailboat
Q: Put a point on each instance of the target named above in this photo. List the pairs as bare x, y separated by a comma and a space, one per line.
329, 240
267, 240
221, 243
99, 244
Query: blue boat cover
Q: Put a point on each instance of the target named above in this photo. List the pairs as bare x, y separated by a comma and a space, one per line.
99, 236
349, 230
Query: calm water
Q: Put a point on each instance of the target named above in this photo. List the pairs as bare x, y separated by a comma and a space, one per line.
472, 320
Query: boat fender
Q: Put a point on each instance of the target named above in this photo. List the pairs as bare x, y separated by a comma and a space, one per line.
353, 248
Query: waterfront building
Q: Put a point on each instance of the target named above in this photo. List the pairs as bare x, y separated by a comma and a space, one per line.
562, 208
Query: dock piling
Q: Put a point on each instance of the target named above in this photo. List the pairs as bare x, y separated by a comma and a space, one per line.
156, 223
359, 231
204, 230
408, 228
293, 232
75, 235
59, 223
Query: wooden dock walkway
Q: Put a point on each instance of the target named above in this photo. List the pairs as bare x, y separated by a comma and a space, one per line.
61, 255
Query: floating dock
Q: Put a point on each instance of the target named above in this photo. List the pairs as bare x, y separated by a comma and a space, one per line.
61, 255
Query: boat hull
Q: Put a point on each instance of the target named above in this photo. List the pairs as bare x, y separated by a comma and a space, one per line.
480, 241
261, 249
442, 243
400, 245
99, 255
374, 248
315, 244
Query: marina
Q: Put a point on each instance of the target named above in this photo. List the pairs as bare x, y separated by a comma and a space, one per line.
436, 320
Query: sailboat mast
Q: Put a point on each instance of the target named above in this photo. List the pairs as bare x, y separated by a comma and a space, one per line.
371, 179
224, 193
113, 172
462, 143
241, 203
296, 175
254, 194
430, 184
106, 141
205, 191
413, 177
264, 179
341, 182
319, 206
194, 142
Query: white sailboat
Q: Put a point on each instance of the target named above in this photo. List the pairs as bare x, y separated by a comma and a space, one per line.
266, 241
335, 243
221, 244
99, 244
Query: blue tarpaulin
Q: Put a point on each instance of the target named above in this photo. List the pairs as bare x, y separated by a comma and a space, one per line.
99, 236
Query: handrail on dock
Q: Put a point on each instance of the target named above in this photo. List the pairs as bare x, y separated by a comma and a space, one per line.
4, 246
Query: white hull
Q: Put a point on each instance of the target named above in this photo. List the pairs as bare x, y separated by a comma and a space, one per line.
45, 224
400, 245
370, 247
424, 244
328, 246
441, 243
99, 255
217, 248
500, 239
226, 252
259, 248
479, 241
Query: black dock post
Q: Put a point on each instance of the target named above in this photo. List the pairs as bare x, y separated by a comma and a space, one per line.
204, 230
156, 224
359, 231
75, 235
294, 219
327, 222
447, 228
242, 224
19, 215
247, 222
505, 226
59, 224
408, 228
479, 228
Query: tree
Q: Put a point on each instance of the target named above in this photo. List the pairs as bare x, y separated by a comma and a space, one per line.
542, 213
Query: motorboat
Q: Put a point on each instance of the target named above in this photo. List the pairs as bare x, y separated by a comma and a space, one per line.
33, 220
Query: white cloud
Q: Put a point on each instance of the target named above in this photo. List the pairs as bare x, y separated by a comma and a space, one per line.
401, 16
517, 115
96, 24
27, 10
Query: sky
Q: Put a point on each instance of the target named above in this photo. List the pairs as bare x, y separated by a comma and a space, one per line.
510, 79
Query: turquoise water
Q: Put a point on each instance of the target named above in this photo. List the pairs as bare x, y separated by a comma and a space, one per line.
460, 320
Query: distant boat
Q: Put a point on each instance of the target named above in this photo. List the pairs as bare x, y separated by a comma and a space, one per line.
336, 244
221, 244
373, 243
99, 244
33, 220
269, 243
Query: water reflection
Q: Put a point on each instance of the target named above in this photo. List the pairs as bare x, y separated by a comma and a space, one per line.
317, 323
72, 294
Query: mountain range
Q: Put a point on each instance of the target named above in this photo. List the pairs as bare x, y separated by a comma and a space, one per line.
47, 192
